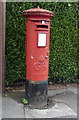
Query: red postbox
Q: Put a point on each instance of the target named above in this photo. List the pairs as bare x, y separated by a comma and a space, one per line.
37, 54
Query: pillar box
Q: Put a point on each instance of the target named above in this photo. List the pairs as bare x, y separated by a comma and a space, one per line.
37, 55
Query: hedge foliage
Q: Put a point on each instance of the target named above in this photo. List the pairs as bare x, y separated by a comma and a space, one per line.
63, 41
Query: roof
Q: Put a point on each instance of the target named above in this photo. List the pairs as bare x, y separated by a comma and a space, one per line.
37, 11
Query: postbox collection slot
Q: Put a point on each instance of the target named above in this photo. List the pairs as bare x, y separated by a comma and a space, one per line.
42, 26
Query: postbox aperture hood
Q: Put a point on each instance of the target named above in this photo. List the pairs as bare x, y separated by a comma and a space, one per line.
38, 11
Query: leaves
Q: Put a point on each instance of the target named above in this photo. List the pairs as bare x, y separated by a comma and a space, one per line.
24, 101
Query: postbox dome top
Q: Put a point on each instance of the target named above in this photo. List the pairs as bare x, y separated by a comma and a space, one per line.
38, 11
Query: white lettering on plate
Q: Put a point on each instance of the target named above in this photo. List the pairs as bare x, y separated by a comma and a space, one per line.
42, 39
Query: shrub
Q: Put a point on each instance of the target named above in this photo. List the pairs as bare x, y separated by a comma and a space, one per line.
63, 41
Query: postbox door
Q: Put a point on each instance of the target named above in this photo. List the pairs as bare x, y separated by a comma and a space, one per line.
39, 52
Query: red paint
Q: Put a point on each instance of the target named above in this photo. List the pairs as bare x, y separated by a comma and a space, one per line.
37, 57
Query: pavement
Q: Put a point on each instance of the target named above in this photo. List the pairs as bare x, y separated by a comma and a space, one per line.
65, 107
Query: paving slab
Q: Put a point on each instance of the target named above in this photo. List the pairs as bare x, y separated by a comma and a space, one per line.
72, 89
11, 109
59, 110
52, 93
69, 98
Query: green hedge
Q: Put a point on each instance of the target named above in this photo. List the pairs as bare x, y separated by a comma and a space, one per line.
63, 41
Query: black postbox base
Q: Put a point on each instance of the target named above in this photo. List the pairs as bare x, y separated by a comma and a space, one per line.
36, 93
